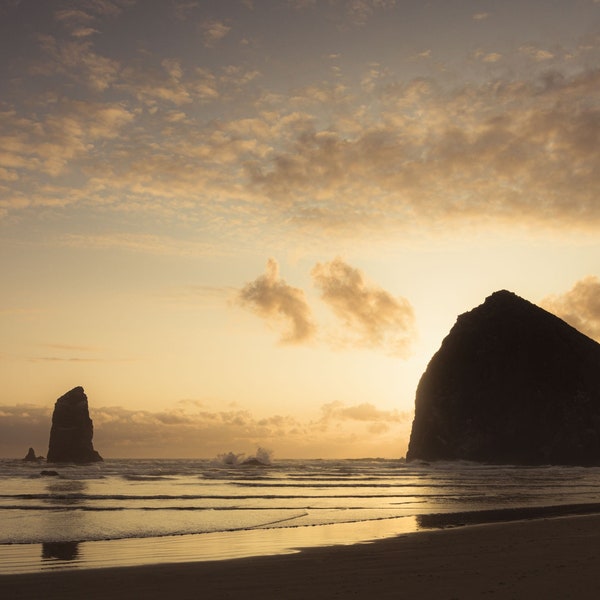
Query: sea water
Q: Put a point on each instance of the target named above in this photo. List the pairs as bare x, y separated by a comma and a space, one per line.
165, 510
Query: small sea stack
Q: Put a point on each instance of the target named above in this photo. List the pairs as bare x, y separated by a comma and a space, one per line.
31, 457
510, 384
72, 430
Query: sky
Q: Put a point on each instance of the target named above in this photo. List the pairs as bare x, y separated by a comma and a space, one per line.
244, 223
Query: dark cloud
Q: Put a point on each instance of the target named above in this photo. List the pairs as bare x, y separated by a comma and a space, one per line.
274, 300
371, 315
580, 306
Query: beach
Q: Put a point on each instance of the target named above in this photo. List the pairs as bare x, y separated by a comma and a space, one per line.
543, 558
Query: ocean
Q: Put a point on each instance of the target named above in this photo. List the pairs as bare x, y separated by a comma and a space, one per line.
125, 512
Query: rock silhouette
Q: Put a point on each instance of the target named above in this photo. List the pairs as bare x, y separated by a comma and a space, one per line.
72, 430
31, 457
512, 384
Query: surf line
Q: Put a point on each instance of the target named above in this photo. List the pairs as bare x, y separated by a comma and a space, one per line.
304, 514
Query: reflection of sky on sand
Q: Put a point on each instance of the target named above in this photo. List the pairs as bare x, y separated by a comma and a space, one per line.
203, 547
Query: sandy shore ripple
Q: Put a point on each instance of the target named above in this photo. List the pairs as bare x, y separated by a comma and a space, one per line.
546, 558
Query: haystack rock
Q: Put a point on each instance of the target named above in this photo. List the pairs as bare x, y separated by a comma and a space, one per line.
72, 430
510, 384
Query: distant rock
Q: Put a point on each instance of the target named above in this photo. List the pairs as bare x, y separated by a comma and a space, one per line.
31, 457
512, 384
72, 430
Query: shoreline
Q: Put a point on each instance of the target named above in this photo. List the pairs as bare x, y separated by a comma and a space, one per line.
21, 559
549, 557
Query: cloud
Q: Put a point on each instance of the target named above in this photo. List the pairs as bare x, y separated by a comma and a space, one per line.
213, 32
365, 411
60, 137
194, 296
69, 359
424, 54
71, 354
82, 32
274, 300
377, 422
580, 306
505, 152
139, 242
169, 85
537, 54
481, 16
183, 9
353, 12
70, 347
76, 60
188, 429
359, 11
371, 316
302, 4
488, 57
340, 158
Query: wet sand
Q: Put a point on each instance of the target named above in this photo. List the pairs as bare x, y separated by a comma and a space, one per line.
544, 558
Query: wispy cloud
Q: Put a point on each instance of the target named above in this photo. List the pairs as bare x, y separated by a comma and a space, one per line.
70, 347
537, 54
77, 60
270, 297
378, 421
371, 316
348, 12
213, 32
580, 306
193, 296
139, 242
184, 8
359, 11
488, 57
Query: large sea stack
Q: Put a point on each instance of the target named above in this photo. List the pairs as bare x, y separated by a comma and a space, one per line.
72, 430
512, 384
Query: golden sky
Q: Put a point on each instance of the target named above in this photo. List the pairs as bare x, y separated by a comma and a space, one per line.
252, 222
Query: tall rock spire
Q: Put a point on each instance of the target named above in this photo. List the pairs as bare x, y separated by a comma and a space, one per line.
72, 430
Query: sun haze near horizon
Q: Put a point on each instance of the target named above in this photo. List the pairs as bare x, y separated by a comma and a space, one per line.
244, 223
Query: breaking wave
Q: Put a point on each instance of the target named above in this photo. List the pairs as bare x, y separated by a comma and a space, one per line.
262, 457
